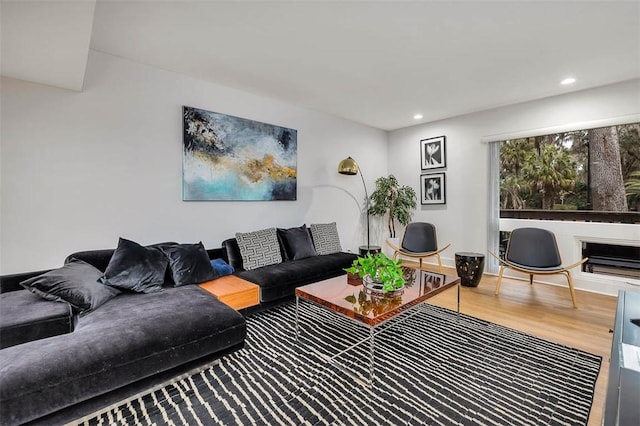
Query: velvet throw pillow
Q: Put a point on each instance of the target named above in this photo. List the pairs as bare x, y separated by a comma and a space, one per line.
325, 238
189, 263
259, 248
76, 283
221, 267
136, 268
297, 243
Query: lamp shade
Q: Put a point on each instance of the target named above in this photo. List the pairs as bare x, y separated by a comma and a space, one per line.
348, 166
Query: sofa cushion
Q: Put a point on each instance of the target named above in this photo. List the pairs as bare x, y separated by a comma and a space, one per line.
109, 349
101, 258
297, 243
76, 283
189, 263
325, 238
98, 258
259, 248
136, 268
278, 281
26, 317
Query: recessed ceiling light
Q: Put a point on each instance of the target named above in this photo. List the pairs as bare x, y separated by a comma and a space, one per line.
417, 116
569, 80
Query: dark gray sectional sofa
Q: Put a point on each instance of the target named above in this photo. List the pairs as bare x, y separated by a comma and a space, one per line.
280, 280
279, 260
57, 366
103, 355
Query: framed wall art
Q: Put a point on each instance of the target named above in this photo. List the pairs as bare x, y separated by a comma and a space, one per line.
433, 153
433, 188
232, 158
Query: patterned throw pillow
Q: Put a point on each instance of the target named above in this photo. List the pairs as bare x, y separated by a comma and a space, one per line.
259, 248
325, 238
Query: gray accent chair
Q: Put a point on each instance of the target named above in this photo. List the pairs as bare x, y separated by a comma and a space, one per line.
419, 242
534, 251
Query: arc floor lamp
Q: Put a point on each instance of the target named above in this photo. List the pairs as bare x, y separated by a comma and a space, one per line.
349, 167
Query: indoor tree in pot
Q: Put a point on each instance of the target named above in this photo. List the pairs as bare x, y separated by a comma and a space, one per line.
394, 200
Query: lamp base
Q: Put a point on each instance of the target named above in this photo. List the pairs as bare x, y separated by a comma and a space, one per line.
369, 249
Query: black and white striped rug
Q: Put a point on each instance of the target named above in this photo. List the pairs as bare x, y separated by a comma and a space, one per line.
432, 368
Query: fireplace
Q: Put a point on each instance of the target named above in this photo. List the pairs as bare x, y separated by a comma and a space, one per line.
611, 259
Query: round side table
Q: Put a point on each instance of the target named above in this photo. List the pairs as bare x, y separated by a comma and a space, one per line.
469, 267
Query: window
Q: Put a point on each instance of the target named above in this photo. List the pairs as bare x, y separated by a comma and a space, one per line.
582, 170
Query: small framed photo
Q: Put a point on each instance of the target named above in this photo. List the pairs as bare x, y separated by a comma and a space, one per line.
433, 188
433, 153
431, 278
429, 281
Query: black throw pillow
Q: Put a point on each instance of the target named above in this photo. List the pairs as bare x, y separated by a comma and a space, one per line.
189, 263
297, 243
76, 283
136, 268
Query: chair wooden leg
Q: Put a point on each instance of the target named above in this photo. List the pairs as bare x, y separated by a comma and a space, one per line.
499, 280
572, 290
439, 263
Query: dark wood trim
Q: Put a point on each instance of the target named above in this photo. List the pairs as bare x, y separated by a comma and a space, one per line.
573, 215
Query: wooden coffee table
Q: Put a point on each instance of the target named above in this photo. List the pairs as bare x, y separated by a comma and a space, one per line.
372, 311
234, 291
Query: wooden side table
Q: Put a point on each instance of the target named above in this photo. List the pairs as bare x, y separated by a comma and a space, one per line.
234, 291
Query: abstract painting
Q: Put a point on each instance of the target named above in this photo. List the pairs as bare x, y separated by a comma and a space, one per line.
232, 158
432, 188
432, 153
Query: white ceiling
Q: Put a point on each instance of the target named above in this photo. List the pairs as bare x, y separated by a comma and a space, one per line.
46, 42
376, 63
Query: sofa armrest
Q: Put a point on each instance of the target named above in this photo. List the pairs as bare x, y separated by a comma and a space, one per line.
12, 282
217, 253
232, 250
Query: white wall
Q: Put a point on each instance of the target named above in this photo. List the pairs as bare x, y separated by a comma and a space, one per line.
463, 220
79, 170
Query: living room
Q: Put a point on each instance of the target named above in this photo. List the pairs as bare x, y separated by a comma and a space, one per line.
81, 168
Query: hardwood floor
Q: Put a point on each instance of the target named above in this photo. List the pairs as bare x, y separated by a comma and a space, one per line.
544, 311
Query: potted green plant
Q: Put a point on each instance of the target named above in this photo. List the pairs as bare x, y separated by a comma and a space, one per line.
379, 272
394, 200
